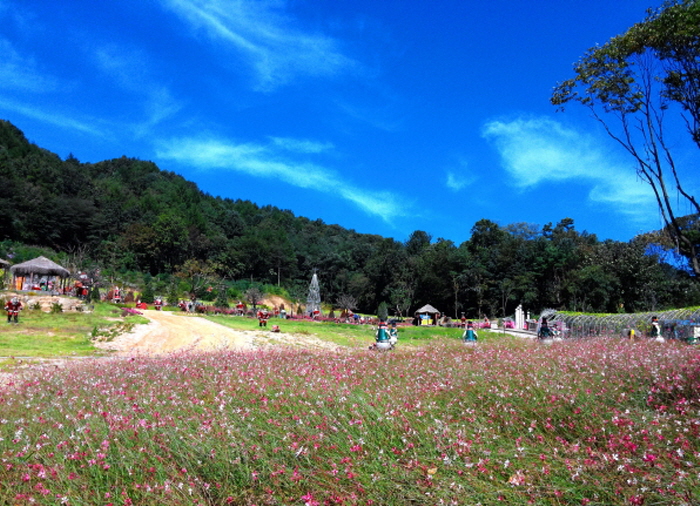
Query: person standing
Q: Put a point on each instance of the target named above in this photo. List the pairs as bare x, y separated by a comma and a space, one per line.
13, 307
655, 332
469, 335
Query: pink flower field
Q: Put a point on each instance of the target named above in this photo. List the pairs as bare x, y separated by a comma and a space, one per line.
590, 422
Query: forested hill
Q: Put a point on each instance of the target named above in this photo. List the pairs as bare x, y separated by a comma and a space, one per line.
128, 215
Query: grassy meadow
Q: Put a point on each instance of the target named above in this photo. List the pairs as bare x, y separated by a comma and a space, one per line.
347, 334
61, 334
509, 421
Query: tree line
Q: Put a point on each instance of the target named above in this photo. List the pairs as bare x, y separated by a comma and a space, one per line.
130, 220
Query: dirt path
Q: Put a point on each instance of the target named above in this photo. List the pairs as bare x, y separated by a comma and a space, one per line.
168, 332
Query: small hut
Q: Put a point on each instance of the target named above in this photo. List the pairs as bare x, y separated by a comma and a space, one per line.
28, 275
427, 315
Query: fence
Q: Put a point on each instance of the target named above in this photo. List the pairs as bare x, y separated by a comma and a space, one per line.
681, 324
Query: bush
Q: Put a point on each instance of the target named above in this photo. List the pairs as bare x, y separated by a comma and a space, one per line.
94, 295
148, 296
221, 299
382, 311
173, 297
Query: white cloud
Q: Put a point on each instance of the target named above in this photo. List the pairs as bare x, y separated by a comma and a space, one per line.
540, 150
382, 204
460, 177
537, 150
51, 117
128, 68
454, 182
269, 161
258, 30
19, 73
301, 145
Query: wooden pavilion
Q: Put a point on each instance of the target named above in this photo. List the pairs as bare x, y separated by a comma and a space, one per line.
27, 275
427, 315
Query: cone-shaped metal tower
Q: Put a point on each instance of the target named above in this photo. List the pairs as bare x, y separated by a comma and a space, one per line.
313, 301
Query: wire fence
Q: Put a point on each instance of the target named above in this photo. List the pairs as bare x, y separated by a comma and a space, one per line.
679, 324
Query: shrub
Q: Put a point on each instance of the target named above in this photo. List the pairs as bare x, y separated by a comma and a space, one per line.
148, 296
382, 311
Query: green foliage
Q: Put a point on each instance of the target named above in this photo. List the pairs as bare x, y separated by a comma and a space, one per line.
94, 295
222, 298
151, 230
254, 296
208, 295
19, 252
173, 296
148, 296
382, 311
630, 85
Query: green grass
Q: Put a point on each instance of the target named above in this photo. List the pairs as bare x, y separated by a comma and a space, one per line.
45, 335
351, 335
40, 334
597, 422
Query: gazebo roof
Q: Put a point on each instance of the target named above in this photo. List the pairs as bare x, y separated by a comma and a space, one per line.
427, 309
39, 265
4, 263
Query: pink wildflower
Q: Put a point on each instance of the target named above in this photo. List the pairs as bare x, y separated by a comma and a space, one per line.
309, 500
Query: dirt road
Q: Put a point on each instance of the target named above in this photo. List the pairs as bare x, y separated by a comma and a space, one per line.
169, 331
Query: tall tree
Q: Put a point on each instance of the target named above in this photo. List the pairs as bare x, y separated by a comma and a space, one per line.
198, 275
634, 79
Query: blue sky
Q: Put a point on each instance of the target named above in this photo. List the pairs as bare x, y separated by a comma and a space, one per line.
381, 116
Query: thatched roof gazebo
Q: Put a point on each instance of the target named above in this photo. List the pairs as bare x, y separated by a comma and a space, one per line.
38, 267
427, 315
41, 266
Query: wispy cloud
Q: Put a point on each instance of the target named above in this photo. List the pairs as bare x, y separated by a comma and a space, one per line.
124, 67
51, 117
459, 177
128, 68
540, 150
301, 145
20, 73
381, 117
276, 160
266, 37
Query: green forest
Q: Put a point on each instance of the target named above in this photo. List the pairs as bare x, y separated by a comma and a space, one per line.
135, 224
